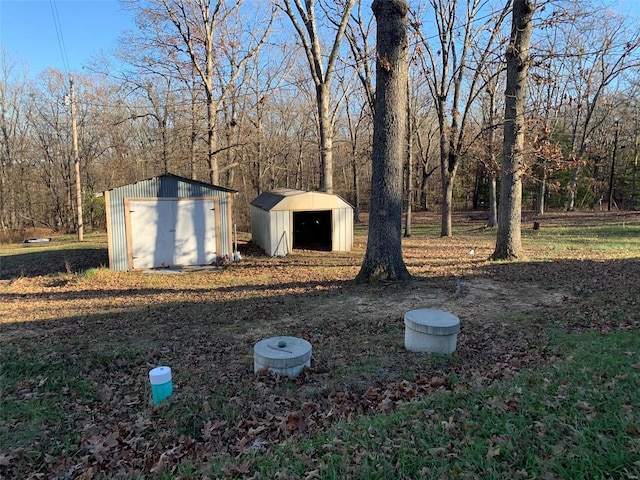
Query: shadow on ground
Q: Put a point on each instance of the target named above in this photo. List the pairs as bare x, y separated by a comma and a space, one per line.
50, 262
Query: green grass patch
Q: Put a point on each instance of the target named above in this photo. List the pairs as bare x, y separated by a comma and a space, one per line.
577, 418
594, 237
36, 392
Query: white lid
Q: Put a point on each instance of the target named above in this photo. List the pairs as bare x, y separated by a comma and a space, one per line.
160, 375
433, 322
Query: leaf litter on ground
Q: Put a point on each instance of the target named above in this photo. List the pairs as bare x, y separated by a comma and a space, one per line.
96, 337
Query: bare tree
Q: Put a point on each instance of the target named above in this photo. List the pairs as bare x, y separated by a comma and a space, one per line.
14, 137
597, 61
303, 17
358, 34
50, 121
200, 29
547, 91
425, 135
383, 258
424, 141
263, 82
508, 242
490, 163
455, 77
358, 118
408, 189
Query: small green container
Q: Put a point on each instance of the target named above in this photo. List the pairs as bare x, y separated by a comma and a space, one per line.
161, 384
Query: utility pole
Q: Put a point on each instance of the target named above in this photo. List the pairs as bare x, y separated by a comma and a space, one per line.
76, 161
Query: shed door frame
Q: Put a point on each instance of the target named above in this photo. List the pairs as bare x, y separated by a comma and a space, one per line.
175, 200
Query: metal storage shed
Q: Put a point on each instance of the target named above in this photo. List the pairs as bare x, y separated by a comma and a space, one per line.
168, 221
284, 219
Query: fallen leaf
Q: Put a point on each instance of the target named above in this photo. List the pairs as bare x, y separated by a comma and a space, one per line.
437, 382
87, 475
161, 465
493, 452
437, 451
584, 406
6, 457
312, 474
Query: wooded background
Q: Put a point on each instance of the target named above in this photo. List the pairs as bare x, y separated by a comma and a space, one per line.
258, 95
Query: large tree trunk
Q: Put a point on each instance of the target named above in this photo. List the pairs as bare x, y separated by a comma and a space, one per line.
446, 229
509, 242
383, 258
493, 201
326, 138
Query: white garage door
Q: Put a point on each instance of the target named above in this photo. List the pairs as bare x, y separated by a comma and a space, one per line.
169, 232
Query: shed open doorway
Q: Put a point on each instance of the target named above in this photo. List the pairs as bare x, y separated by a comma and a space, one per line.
312, 230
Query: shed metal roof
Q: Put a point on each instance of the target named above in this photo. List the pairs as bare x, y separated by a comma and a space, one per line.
173, 179
291, 199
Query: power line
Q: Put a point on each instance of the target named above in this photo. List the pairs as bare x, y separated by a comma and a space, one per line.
56, 22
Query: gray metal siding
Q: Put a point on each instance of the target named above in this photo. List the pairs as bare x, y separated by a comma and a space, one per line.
280, 233
259, 228
165, 186
342, 237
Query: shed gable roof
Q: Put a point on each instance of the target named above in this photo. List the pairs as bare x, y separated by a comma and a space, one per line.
291, 199
169, 177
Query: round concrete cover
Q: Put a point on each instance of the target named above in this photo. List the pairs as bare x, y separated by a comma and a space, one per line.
282, 352
433, 322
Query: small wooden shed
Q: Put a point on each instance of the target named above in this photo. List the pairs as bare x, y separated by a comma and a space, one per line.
168, 221
286, 219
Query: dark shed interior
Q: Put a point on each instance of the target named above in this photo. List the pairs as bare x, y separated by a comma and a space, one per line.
312, 230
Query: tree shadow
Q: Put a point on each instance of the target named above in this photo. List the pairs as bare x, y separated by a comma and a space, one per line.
50, 262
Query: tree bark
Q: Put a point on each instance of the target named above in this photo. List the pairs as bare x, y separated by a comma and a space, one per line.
509, 242
383, 258
325, 128
446, 227
493, 201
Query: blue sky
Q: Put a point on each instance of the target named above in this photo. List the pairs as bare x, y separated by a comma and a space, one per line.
28, 31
